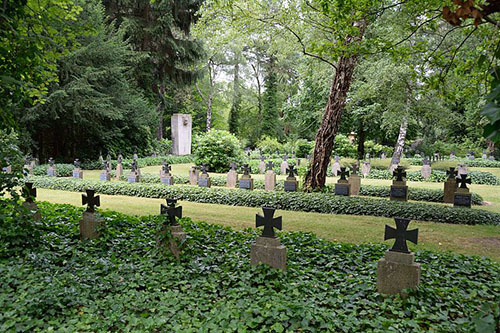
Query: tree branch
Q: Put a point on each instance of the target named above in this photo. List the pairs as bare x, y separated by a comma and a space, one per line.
455, 53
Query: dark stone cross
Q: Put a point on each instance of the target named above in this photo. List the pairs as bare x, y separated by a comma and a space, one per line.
343, 173
285, 157
233, 166
463, 181
133, 166
246, 169
426, 161
262, 158
51, 162
171, 211
399, 174
166, 167
105, 165
355, 169
90, 200
268, 222
291, 171
77, 163
29, 192
204, 169
452, 173
270, 165
401, 235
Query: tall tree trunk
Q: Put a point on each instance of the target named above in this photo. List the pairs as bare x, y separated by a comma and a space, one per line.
259, 95
400, 143
160, 91
316, 176
361, 140
235, 108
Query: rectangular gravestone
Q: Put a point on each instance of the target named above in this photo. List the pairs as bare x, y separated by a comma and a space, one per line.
168, 180
290, 186
78, 173
204, 182
105, 176
399, 192
246, 184
133, 178
462, 200
51, 172
270, 180
355, 182
450, 186
342, 189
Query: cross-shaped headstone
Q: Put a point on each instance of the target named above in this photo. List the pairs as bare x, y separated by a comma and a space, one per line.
246, 169
171, 211
399, 174
204, 169
270, 165
285, 157
262, 158
426, 161
166, 167
291, 171
401, 235
343, 173
133, 166
337, 158
355, 169
463, 181
233, 166
90, 200
268, 222
77, 163
51, 162
452, 173
29, 192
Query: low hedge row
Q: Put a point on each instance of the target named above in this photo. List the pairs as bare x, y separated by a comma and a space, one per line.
415, 194
296, 201
477, 162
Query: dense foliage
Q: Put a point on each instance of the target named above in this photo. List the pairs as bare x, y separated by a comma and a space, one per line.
123, 282
217, 149
296, 201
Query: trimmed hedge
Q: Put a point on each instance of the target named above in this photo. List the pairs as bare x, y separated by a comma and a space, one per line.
477, 162
416, 194
437, 176
296, 201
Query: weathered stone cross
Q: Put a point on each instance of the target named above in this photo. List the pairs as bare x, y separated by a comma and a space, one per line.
452, 173
399, 174
90, 200
171, 211
401, 235
77, 163
291, 171
343, 173
204, 169
246, 169
166, 167
29, 192
268, 222
463, 181
270, 165
355, 168
233, 166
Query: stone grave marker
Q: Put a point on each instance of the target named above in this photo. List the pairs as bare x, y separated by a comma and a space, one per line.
77, 170
29, 194
398, 270
165, 176
267, 248
284, 165
354, 180
181, 125
383, 156
365, 169
135, 156
491, 157
426, 168
343, 187
51, 171
462, 169
367, 156
105, 175
462, 197
119, 166
453, 155
270, 177
399, 190
8, 168
262, 164
450, 186
291, 183
471, 156
171, 230
485, 155
246, 181
336, 166
204, 179
232, 176
90, 222
101, 159
133, 176
194, 174
436, 156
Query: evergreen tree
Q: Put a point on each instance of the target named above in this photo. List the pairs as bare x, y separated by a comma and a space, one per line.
270, 109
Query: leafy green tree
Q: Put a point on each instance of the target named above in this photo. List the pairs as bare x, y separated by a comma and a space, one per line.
270, 107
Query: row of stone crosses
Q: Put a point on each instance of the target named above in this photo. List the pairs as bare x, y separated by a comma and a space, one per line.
395, 272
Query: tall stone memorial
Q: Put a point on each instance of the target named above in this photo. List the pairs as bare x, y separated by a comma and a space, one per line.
398, 270
270, 177
462, 197
291, 183
399, 189
171, 235
354, 180
450, 186
29, 194
77, 170
246, 181
51, 171
232, 176
204, 179
90, 223
181, 126
267, 248
165, 175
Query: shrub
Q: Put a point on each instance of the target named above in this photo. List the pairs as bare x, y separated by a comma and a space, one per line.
384, 164
344, 147
376, 149
444, 165
304, 147
297, 201
437, 176
217, 149
268, 145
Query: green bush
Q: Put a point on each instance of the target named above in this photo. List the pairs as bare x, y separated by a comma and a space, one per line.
384, 164
217, 149
141, 161
476, 163
376, 149
304, 147
444, 165
343, 147
269, 146
438, 176
127, 283
308, 202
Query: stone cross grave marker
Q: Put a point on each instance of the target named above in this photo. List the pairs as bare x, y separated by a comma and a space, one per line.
29, 195
462, 169
165, 176
90, 223
270, 177
267, 248
77, 171
204, 178
397, 270
462, 197
232, 176
105, 175
399, 190
51, 171
426, 168
485, 155
354, 180
246, 181
336, 166
342, 187
491, 157
172, 227
365, 169
262, 164
134, 175
291, 183
284, 165
450, 186
171, 211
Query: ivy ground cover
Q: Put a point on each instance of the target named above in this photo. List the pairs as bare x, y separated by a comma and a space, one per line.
123, 282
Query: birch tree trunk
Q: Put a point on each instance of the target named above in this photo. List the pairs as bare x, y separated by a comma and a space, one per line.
400, 143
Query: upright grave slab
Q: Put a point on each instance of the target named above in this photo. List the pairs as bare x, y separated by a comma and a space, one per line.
194, 174
135, 156
267, 248
291, 183
485, 155
398, 271
262, 164
51, 171
399, 190
491, 157
165, 176
426, 168
181, 126
171, 235
354, 181
284, 165
462, 197
270, 177
450, 186
105, 174
343, 187
77, 171
29, 194
462, 169
336, 166
246, 181
204, 179
232, 176
133, 176
365, 169
119, 166
89, 223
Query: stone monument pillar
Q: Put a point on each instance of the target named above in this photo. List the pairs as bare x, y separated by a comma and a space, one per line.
267, 248
181, 125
